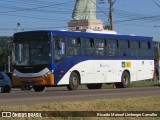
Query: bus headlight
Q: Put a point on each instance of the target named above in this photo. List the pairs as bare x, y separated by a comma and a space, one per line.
47, 74
14, 74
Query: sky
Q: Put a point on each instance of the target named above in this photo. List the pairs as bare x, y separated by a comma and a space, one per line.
138, 17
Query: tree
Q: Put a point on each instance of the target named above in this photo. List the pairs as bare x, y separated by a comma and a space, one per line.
108, 27
5, 51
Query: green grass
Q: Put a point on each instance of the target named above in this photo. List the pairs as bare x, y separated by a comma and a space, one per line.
142, 103
144, 84
121, 104
137, 84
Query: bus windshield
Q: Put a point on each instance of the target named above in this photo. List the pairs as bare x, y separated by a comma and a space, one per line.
29, 52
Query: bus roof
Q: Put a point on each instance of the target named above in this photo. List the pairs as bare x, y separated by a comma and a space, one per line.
92, 34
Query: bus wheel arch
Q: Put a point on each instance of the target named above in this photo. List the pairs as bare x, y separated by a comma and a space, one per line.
125, 80
74, 80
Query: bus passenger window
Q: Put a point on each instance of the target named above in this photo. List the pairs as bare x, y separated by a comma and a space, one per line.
99, 47
112, 46
86, 42
123, 48
73, 46
87, 46
59, 48
72, 51
92, 42
134, 48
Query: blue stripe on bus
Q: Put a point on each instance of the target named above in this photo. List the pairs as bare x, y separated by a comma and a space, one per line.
71, 61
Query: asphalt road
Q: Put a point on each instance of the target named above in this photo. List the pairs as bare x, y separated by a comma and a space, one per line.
61, 94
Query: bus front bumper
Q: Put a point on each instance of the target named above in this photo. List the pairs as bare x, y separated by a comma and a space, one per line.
18, 81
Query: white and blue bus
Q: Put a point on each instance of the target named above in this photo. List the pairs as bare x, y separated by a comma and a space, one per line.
70, 58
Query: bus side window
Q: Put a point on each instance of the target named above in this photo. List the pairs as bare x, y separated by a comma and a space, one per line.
92, 42
99, 47
134, 48
59, 47
149, 49
123, 48
149, 45
78, 42
87, 46
74, 46
112, 46
145, 52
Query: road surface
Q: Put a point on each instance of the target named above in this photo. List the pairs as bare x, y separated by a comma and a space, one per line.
51, 95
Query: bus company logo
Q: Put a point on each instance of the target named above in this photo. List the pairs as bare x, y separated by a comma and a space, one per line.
6, 114
103, 65
123, 64
126, 64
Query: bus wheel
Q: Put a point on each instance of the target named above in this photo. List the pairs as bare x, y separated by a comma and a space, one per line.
125, 80
94, 86
6, 89
73, 81
38, 88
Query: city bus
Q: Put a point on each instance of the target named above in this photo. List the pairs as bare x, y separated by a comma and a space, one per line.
71, 58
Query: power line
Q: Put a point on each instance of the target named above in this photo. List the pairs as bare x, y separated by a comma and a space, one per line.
100, 9
27, 9
35, 28
39, 18
61, 9
133, 24
141, 18
156, 3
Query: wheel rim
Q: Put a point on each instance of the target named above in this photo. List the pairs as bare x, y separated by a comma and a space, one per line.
74, 81
125, 80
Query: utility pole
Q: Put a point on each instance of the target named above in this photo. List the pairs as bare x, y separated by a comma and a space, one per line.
111, 13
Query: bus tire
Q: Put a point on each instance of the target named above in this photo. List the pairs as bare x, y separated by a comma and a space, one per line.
125, 80
6, 89
73, 81
38, 88
94, 86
